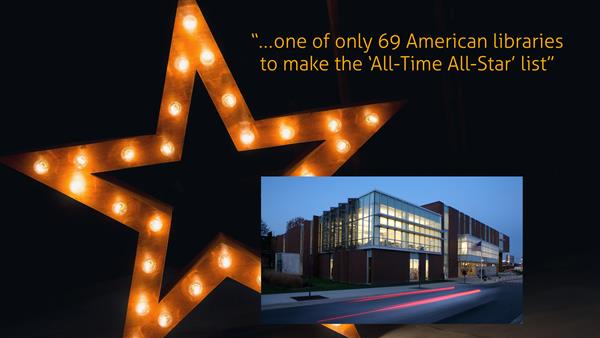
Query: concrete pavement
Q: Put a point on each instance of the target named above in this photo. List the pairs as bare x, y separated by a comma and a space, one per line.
459, 303
284, 300
491, 280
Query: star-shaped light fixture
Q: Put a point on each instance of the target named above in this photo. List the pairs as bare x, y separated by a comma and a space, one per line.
70, 171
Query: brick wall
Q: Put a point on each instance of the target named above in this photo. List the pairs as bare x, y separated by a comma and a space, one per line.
390, 266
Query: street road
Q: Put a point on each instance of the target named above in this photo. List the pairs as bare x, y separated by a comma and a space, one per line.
460, 303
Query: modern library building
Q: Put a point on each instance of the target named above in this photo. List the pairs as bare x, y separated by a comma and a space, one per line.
381, 239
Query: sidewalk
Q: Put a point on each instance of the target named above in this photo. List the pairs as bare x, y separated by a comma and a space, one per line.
284, 300
492, 280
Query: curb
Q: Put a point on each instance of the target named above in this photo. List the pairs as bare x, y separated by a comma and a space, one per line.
518, 320
315, 302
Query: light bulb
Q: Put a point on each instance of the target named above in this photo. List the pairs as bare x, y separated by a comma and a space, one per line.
174, 108
336, 325
342, 146
224, 261
41, 167
247, 136
182, 64
119, 208
207, 57
190, 22
142, 308
155, 224
195, 289
167, 148
128, 154
286, 132
81, 161
258, 280
372, 119
165, 319
334, 125
77, 185
306, 172
148, 266
229, 100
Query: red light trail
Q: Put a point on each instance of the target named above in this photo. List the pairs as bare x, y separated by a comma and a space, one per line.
403, 305
400, 294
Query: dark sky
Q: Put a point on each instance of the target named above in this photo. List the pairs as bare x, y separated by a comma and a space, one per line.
495, 201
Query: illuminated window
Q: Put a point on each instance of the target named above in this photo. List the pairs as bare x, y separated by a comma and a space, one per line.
383, 209
414, 267
383, 236
390, 235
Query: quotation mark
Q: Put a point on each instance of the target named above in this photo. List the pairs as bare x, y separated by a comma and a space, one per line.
255, 36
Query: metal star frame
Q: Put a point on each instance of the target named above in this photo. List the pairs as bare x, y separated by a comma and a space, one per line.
70, 171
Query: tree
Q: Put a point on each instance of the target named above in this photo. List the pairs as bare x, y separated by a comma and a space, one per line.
295, 222
264, 228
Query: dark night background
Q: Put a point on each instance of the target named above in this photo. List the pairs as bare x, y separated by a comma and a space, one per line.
75, 72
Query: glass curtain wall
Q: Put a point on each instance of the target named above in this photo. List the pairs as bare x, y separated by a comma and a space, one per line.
380, 220
403, 225
468, 250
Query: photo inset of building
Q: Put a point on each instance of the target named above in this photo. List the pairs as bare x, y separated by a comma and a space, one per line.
381, 239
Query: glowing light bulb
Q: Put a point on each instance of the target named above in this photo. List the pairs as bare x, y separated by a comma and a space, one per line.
165, 319
182, 64
174, 108
258, 280
224, 261
148, 266
336, 325
306, 172
190, 22
41, 167
229, 100
142, 308
247, 136
372, 119
77, 185
81, 161
342, 146
207, 57
128, 154
155, 224
334, 125
167, 148
286, 132
119, 208
195, 289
